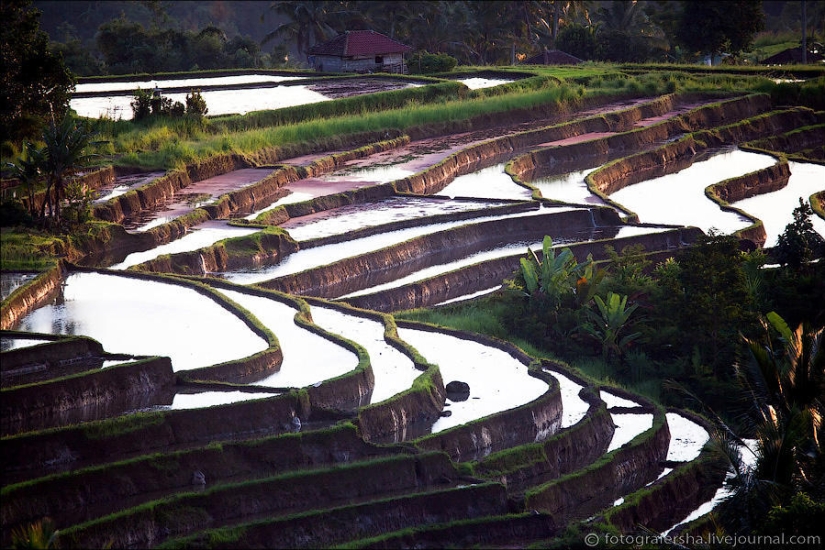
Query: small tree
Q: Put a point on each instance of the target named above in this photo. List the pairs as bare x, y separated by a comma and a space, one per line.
800, 243
195, 104
64, 155
28, 171
141, 105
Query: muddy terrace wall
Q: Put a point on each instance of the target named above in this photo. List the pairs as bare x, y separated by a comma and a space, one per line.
47, 360
761, 181
469, 159
291, 493
250, 251
37, 453
245, 200
494, 532
755, 183
569, 450
808, 142
407, 414
543, 161
348, 523
673, 497
485, 275
621, 471
117, 388
85, 494
385, 265
31, 296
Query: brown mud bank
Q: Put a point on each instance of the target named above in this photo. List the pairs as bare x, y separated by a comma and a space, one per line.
359, 521
31, 296
68, 399
288, 494
249, 252
34, 454
569, 450
546, 160
672, 498
59, 356
489, 274
87, 493
388, 264
624, 470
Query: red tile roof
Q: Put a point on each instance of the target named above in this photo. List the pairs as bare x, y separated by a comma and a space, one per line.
353, 43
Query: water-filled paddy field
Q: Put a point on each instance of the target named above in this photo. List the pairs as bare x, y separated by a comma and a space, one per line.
320, 346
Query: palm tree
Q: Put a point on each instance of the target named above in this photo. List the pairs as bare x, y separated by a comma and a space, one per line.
308, 23
28, 171
783, 384
64, 155
788, 381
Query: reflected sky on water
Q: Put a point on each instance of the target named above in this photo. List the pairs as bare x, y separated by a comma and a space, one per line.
679, 198
498, 382
142, 317
775, 209
308, 357
394, 372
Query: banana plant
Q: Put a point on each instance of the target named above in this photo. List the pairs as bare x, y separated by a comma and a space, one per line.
553, 275
609, 322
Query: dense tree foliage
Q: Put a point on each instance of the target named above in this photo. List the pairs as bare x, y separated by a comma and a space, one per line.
35, 83
715, 27
151, 36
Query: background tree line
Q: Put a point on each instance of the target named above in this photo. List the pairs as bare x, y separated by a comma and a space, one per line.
152, 36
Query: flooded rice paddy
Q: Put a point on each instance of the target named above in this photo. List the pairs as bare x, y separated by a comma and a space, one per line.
142, 317
394, 371
776, 209
309, 358
321, 255
498, 381
192, 329
199, 236
679, 199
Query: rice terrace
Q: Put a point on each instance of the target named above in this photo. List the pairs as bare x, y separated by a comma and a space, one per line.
499, 304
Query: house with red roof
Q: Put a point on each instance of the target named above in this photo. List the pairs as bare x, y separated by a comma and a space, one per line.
359, 52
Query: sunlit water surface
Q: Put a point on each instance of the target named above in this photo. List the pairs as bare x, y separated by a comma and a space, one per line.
679, 198
309, 358
199, 236
140, 317
775, 209
359, 216
219, 102
498, 382
628, 426
314, 257
394, 372
488, 183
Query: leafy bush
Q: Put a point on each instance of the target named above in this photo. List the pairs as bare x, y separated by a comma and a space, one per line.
195, 104
141, 105
428, 63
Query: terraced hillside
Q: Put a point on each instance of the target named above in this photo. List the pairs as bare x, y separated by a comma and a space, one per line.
255, 389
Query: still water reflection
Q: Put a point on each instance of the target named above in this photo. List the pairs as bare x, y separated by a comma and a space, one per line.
498, 382
142, 317
308, 357
679, 199
394, 372
775, 209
